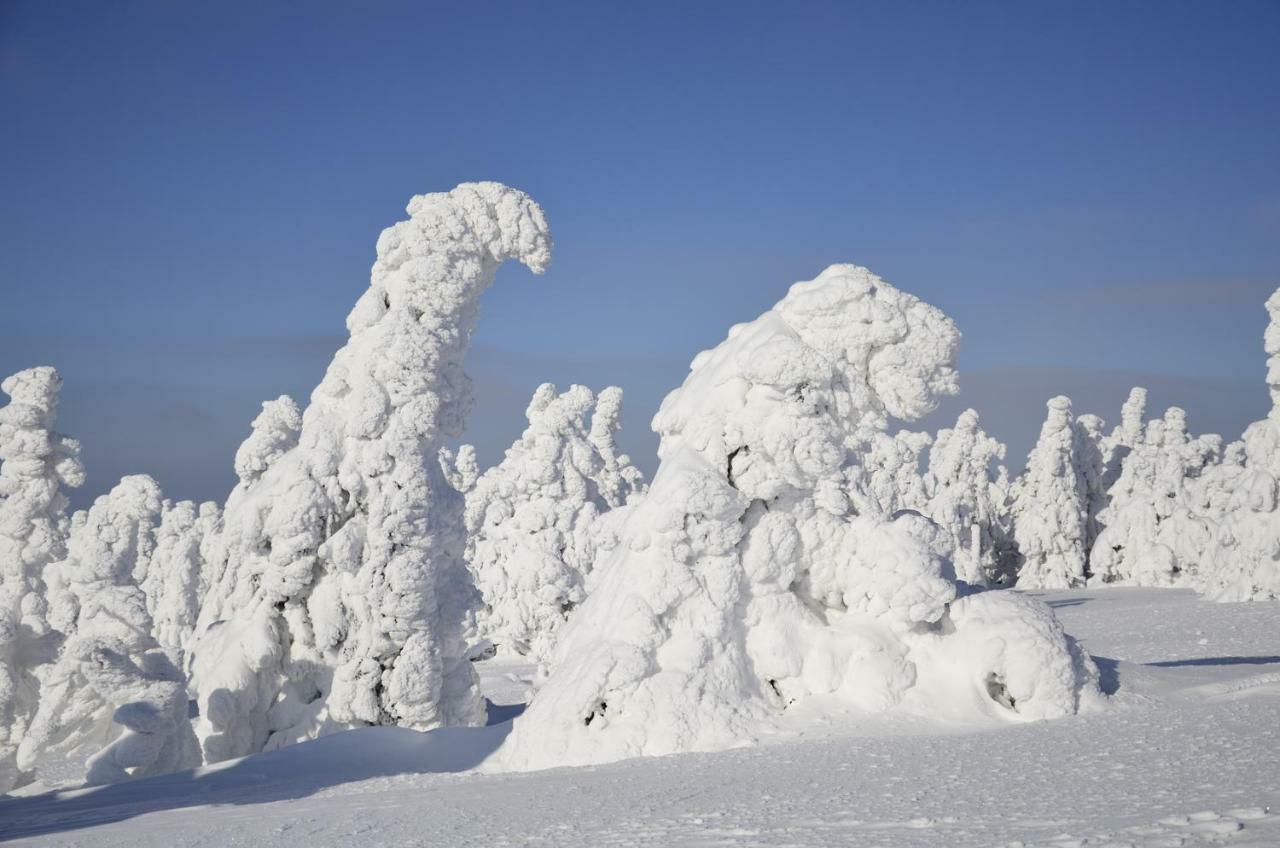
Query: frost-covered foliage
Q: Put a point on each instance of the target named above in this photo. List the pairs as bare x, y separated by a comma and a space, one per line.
176, 580
531, 519
113, 703
743, 582
1125, 437
887, 475
1242, 563
1154, 534
341, 596
1089, 447
963, 498
1050, 506
35, 463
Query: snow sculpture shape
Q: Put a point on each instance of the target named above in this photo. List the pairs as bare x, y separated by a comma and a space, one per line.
113, 702
341, 596
35, 463
531, 520
743, 582
963, 500
176, 581
1050, 508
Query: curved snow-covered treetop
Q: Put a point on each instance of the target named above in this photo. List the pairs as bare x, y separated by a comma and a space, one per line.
745, 581
340, 594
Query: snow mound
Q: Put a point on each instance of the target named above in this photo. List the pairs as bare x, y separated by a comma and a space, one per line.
746, 580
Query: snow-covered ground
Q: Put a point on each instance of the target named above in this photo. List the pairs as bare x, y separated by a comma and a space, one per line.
1188, 754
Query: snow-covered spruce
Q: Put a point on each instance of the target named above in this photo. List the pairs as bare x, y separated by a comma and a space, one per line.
744, 583
341, 595
1050, 507
1153, 534
531, 519
35, 463
1243, 561
963, 500
176, 580
113, 705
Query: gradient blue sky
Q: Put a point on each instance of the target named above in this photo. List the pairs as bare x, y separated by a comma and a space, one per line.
190, 195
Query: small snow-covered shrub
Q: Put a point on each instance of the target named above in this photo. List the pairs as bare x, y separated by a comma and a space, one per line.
752, 576
113, 704
340, 596
532, 519
35, 463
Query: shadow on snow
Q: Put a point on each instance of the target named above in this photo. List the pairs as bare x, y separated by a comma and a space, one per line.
1215, 661
289, 773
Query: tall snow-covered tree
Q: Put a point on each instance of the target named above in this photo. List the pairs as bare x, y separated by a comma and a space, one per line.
1243, 563
1050, 510
531, 519
1124, 438
887, 475
113, 705
343, 599
743, 582
35, 464
176, 579
962, 499
1091, 462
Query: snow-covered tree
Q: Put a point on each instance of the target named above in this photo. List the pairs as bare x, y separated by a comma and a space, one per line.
1243, 562
887, 475
342, 598
1050, 510
531, 519
35, 463
113, 705
176, 580
962, 498
1089, 447
1125, 437
743, 582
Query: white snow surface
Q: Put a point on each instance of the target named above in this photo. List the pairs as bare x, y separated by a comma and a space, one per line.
1185, 756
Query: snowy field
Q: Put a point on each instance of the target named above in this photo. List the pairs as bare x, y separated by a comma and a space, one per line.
1188, 754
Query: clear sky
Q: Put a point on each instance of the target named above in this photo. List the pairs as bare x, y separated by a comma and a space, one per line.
190, 194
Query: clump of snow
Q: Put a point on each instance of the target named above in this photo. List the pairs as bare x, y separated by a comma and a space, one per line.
35, 463
748, 580
113, 703
532, 519
341, 597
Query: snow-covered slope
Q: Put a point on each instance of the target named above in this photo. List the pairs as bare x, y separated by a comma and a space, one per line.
1186, 756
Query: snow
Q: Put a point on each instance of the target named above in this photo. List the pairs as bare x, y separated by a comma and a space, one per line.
340, 597
1184, 756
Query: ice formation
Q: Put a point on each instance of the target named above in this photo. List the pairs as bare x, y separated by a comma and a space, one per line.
340, 596
113, 703
745, 581
532, 519
35, 463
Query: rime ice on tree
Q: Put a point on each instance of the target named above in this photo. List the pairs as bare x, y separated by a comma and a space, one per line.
35, 463
341, 595
745, 582
532, 519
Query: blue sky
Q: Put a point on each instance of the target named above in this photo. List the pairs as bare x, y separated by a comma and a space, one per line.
190, 196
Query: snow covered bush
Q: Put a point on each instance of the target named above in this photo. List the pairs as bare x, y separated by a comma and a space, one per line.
963, 499
531, 519
1050, 507
35, 463
341, 597
745, 581
113, 705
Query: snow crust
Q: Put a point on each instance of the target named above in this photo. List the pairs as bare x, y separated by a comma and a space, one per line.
746, 582
341, 598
